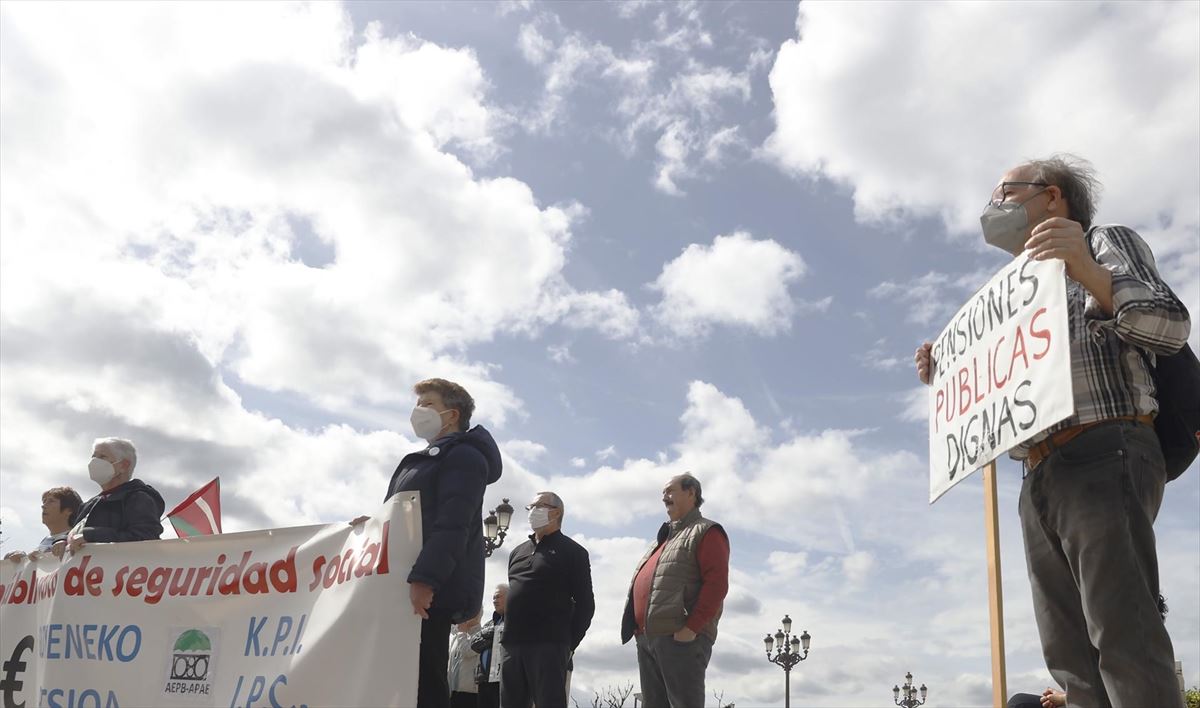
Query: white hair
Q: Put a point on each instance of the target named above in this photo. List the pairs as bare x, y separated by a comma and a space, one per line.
555, 500
119, 447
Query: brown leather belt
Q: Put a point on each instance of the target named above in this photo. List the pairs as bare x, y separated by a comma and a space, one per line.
1055, 440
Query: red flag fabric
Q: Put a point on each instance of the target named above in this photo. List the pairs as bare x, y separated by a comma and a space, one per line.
200, 513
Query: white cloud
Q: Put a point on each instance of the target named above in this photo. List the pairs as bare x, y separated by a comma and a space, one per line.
505, 7
857, 567
606, 312
787, 564
915, 404
534, 47
1132, 112
524, 451
661, 89
820, 305
578, 462
196, 167
560, 354
720, 143
452, 109
883, 357
931, 299
736, 281
680, 27
807, 478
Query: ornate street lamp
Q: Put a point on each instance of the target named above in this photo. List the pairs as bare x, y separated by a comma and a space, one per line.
787, 650
906, 696
495, 526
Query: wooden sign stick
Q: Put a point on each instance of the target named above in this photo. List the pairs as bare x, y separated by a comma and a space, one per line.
991, 522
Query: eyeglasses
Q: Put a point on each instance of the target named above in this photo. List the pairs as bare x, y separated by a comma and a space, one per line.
539, 505
1001, 191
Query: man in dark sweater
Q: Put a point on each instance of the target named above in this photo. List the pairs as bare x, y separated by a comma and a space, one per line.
126, 509
550, 607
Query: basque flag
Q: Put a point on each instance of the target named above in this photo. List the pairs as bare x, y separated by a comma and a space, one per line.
200, 513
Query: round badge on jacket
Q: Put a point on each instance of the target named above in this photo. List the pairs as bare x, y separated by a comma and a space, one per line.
433, 451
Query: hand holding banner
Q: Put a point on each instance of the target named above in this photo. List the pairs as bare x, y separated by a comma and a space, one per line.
1002, 371
306, 616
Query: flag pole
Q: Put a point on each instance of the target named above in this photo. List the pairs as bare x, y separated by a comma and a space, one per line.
991, 522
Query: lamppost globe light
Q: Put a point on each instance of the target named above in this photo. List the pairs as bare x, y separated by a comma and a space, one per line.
786, 654
504, 512
491, 526
805, 640
906, 696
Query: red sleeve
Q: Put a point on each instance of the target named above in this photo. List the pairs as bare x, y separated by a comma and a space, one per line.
713, 556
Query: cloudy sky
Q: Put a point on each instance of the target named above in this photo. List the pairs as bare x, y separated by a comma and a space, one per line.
648, 238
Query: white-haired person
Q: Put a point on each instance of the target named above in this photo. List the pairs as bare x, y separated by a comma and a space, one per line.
126, 509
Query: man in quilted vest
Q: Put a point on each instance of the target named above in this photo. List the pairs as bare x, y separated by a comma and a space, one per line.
675, 600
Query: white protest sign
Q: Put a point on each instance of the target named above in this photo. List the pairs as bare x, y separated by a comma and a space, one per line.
1003, 371
295, 617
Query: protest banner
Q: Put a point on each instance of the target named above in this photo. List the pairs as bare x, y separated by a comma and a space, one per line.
1002, 371
296, 617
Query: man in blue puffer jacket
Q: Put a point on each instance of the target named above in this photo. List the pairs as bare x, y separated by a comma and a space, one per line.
451, 473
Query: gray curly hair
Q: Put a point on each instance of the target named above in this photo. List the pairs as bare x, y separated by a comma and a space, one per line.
1076, 178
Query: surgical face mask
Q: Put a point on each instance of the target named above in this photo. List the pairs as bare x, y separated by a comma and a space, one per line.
101, 471
426, 422
1004, 225
539, 517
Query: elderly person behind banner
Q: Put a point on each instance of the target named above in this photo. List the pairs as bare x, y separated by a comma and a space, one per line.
60, 506
1094, 482
675, 600
464, 692
550, 607
126, 509
487, 643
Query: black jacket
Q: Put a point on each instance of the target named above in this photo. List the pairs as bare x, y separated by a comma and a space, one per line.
549, 592
131, 512
451, 475
482, 643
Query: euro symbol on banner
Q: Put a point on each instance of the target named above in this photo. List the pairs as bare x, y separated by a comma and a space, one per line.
10, 684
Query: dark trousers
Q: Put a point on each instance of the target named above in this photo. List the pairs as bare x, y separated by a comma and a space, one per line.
1087, 514
489, 695
534, 673
672, 672
433, 686
462, 699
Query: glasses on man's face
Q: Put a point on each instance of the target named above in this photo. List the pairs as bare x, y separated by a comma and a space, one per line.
539, 505
1005, 189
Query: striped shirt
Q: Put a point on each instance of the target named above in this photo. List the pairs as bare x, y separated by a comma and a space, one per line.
1109, 373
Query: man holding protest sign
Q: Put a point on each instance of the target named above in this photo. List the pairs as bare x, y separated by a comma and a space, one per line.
1095, 480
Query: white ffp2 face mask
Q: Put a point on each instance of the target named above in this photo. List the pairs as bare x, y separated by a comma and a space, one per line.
1004, 225
101, 471
426, 423
539, 517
